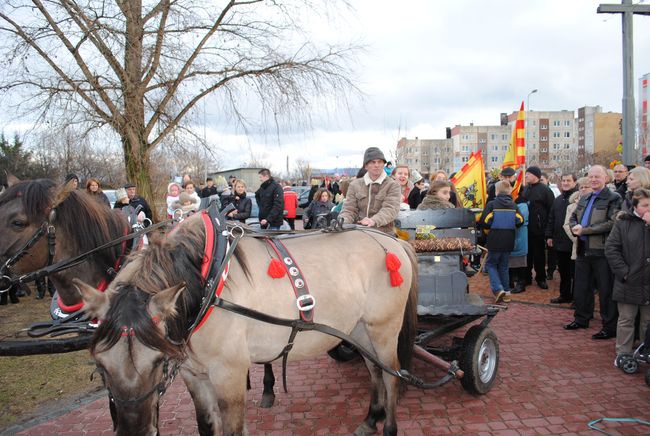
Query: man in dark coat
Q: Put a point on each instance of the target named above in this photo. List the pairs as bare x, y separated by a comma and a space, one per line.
540, 201
591, 222
508, 174
209, 189
135, 200
620, 179
270, 200
557, 239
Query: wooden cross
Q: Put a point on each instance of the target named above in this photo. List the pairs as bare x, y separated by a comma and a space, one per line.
627, 10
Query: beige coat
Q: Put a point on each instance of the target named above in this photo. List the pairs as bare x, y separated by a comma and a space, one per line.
573, 203
378, 201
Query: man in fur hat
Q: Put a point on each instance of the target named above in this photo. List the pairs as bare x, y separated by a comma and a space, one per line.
373, 200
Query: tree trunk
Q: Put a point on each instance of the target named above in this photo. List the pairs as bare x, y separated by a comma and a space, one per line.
137, 163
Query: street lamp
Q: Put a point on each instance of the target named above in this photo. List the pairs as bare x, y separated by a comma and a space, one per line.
528, 110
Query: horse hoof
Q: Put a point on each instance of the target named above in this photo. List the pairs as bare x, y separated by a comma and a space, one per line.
364, 429
267, 401
14, 299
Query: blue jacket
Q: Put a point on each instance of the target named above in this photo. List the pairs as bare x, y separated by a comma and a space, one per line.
521, 236
502, 218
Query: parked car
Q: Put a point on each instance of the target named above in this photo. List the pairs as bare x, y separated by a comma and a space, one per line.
303, 198
253, 220
110, 193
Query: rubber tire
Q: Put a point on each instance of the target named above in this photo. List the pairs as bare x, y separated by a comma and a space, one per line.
343, 352
474, 339
629, 365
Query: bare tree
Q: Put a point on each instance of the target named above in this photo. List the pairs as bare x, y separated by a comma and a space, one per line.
141, 66
302, 170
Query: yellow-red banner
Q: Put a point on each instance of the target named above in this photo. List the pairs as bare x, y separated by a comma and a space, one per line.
470, 182
516, 154
517, 188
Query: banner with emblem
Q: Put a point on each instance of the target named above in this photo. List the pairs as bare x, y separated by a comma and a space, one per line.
470, 182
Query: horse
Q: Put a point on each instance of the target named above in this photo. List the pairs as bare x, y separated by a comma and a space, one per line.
81, 223
146, 315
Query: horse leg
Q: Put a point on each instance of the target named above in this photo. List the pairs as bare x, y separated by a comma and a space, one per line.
13, 295
376, 411
268, 396
230, 387
205, 402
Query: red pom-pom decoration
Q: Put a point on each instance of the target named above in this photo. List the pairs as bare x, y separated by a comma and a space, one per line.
392, 265
276, 269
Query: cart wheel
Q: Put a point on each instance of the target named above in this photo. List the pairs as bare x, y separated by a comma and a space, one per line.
647, 377
479, 360
628, 364
343, 352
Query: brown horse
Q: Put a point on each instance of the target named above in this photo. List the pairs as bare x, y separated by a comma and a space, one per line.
147, 310
81, 224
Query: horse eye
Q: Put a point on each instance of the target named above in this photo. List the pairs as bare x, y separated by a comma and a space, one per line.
19, 224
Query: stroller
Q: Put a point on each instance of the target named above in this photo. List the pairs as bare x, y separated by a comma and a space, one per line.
629, 363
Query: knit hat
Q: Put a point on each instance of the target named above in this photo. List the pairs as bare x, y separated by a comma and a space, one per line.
71, 176
129, 185
535, 171
647, 158
372, 153
120, 193
184, 198
508, 172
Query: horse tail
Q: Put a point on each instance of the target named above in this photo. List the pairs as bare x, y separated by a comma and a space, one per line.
408, 332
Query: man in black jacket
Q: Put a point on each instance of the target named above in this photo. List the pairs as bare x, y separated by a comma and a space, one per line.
591, 222
540, 201
508, 174
135, 200
209, 189
270, 200
557, 239
620, 179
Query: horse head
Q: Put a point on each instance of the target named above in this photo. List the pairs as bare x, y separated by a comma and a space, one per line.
80, 223
24, 207
133, 355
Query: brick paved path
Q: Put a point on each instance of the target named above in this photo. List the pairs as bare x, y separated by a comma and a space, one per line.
550, 382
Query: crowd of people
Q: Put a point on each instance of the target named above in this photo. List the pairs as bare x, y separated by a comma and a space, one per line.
595, 233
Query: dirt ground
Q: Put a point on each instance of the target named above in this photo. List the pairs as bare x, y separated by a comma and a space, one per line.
31, 384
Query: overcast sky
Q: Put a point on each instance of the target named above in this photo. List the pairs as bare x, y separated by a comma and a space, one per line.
432, 64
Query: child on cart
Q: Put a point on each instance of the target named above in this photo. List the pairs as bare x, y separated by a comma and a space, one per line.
501, 218
627, 251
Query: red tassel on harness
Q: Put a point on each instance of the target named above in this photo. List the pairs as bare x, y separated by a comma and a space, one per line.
392, 265
276, 269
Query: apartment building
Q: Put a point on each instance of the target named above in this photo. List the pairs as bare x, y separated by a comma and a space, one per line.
598, 133
642, 125
426, 155
550, 139
492, 141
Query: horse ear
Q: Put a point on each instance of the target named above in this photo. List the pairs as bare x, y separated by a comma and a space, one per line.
163, 304
11, 179
95, 302
62, 193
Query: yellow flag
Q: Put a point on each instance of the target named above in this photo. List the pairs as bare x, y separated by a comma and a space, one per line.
470, 182
516, 154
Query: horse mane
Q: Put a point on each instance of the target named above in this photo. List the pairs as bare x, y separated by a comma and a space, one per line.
166, 262
35, 195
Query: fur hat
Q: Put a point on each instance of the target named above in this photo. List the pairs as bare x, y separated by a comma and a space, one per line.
71, 176
120, 193
535, 171
508, 172
184, 198
372, 153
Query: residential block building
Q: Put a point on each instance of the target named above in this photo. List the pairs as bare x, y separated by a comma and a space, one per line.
426, 155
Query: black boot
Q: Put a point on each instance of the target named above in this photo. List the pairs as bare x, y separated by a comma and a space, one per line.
13, 295
520, 287
3, 299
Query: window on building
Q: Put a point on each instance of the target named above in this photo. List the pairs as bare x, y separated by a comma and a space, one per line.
464, 159
567, 146
567, 123
494, 158
543, 149
504, 137
556, 123
567, 134
495, 148
493, 137
543, 127
465, 148
543, 138
556, 134
504, 147
556, 146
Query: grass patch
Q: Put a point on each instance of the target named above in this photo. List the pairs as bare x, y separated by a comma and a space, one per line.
31, 383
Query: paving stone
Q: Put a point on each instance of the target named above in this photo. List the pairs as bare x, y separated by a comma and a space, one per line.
550, 381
